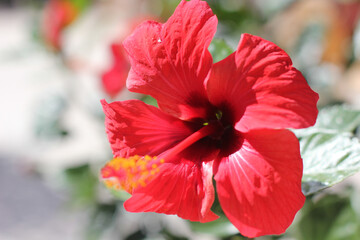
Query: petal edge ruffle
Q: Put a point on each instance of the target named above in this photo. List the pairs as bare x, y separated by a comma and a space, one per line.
171, 61
262, 87
182, 188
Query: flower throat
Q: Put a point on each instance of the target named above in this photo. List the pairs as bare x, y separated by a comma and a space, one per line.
129, 173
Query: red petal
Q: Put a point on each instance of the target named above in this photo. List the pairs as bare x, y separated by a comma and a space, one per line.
171, 61
259, 186
182, 188
114, 80
118, 53
262, 87
134, 127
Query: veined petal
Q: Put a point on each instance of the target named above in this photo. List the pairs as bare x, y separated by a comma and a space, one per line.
135, 128
171, 61
181, 187
259, 186
262, 87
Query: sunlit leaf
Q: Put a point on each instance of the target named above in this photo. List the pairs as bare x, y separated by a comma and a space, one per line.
329, 158
339, 118
330, 149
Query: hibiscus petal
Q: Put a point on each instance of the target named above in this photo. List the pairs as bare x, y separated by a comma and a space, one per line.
259, 186
171, 61
118, 53
262, 88
181, 187
114, 79
134, 127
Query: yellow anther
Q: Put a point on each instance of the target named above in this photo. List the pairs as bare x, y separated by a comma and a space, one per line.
130, 173
142, 183
108, 183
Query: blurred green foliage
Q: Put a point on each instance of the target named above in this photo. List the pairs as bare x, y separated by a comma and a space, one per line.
331, 217
48, 119
219, 49
82, 183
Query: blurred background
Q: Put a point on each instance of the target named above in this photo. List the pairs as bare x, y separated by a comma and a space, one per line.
58, 58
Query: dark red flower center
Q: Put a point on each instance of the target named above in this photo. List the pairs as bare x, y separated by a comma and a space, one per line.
225, 137
214, 134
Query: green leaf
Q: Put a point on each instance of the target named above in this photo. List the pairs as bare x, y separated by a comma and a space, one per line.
334, 119
330, 150
82, 184
102, 217
149, 100
330, 218
329, 158
219, 49
121, 195
221, 227
341, 118
81, 5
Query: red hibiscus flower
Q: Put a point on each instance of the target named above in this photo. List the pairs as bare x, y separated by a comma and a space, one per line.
57, 15
224, 120
114, 80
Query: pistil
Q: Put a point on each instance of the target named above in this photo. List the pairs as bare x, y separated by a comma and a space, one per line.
136, 171
207, 130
